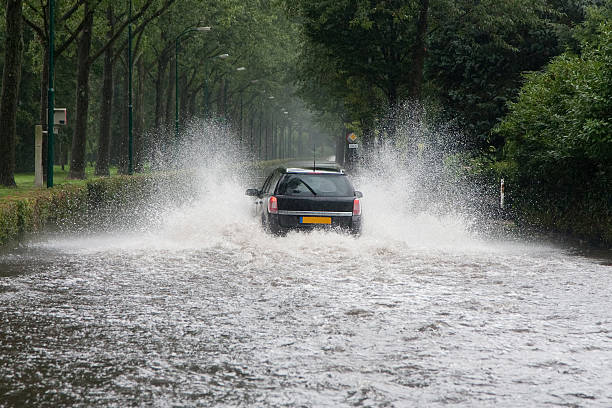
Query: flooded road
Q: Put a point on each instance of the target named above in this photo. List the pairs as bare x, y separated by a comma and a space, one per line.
205, 309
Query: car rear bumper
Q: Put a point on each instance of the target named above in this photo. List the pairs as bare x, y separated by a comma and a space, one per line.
294, 220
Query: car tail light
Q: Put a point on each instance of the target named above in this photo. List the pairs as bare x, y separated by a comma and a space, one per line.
356, 207
273, 205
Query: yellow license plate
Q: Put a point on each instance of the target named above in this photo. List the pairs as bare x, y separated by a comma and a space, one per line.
315, 220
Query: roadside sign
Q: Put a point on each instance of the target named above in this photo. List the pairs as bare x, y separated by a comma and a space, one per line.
351, 137
60, 117
353, 145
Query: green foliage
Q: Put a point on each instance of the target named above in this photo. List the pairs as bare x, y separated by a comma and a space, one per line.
256, 33
476, 55
359, 57
357, 54
72, 206
39, 209
559, 135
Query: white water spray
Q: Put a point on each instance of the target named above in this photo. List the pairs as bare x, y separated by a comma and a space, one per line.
405, 206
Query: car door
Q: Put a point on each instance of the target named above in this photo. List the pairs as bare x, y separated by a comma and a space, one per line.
261, 199
268, 190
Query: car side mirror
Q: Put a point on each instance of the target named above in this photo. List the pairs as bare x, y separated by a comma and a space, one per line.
358, 194
252, 192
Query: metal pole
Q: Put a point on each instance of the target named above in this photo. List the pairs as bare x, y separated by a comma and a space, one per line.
51, 97
259, 141
241, 108
176, 87
206, 89
176, 90
130, 107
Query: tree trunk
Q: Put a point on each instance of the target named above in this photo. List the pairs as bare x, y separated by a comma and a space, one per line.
64, 155
340, 143
139, 120
159, 90
9, 98
260, 136
106, 112
106, 108
221, 99
183, 101
44, 101
123, 134
77, 160
251, 136
418, 53
170, 95
118, 101
192, 104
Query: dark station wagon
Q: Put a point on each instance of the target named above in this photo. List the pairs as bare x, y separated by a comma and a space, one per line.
302, 197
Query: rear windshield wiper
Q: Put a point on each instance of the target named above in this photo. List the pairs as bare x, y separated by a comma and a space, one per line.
308, 187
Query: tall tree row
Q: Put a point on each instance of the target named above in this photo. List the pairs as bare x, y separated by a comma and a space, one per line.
370, 56
11, 78
558, 151
91, 73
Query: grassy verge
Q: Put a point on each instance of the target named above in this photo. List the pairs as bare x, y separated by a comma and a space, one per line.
25, 183
73, 205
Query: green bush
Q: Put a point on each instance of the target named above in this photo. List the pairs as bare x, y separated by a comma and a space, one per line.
559, 139
75, 206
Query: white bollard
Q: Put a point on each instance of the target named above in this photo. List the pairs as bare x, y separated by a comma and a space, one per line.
501, 194
38, 142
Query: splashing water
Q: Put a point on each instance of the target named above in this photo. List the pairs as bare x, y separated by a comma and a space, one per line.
403, 206
200, 307
407, 204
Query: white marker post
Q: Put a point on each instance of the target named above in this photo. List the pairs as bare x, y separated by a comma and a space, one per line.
38, 142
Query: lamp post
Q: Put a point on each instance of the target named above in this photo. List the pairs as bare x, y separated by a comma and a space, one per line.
130, 107
50, 97
176, 84
240, 69
286, 135
221, 56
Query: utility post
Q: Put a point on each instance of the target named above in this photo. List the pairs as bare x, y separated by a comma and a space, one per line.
259, 144
241, 113
130, 107
290, 139
51, 97
176, 76
206, 109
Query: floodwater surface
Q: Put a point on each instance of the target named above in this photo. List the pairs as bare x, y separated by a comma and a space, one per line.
205, 309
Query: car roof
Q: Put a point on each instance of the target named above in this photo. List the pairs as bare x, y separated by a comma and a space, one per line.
309, 167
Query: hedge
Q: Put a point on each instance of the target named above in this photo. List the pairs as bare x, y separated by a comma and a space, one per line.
72, 207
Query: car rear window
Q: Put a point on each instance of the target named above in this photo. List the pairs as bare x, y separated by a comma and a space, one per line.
309, 185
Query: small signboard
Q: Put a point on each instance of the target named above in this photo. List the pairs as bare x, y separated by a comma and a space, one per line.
59, 116
353, 145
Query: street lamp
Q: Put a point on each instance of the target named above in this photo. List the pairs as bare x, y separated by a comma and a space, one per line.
130, 106
51, 97
176, 93
220, 56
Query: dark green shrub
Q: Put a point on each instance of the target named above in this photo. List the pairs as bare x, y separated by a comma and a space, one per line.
559, 140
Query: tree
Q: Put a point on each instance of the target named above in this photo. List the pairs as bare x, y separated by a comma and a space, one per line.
386, 47
379, 44
36, 16
559, 136
11, 78
85, 60
477, 54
